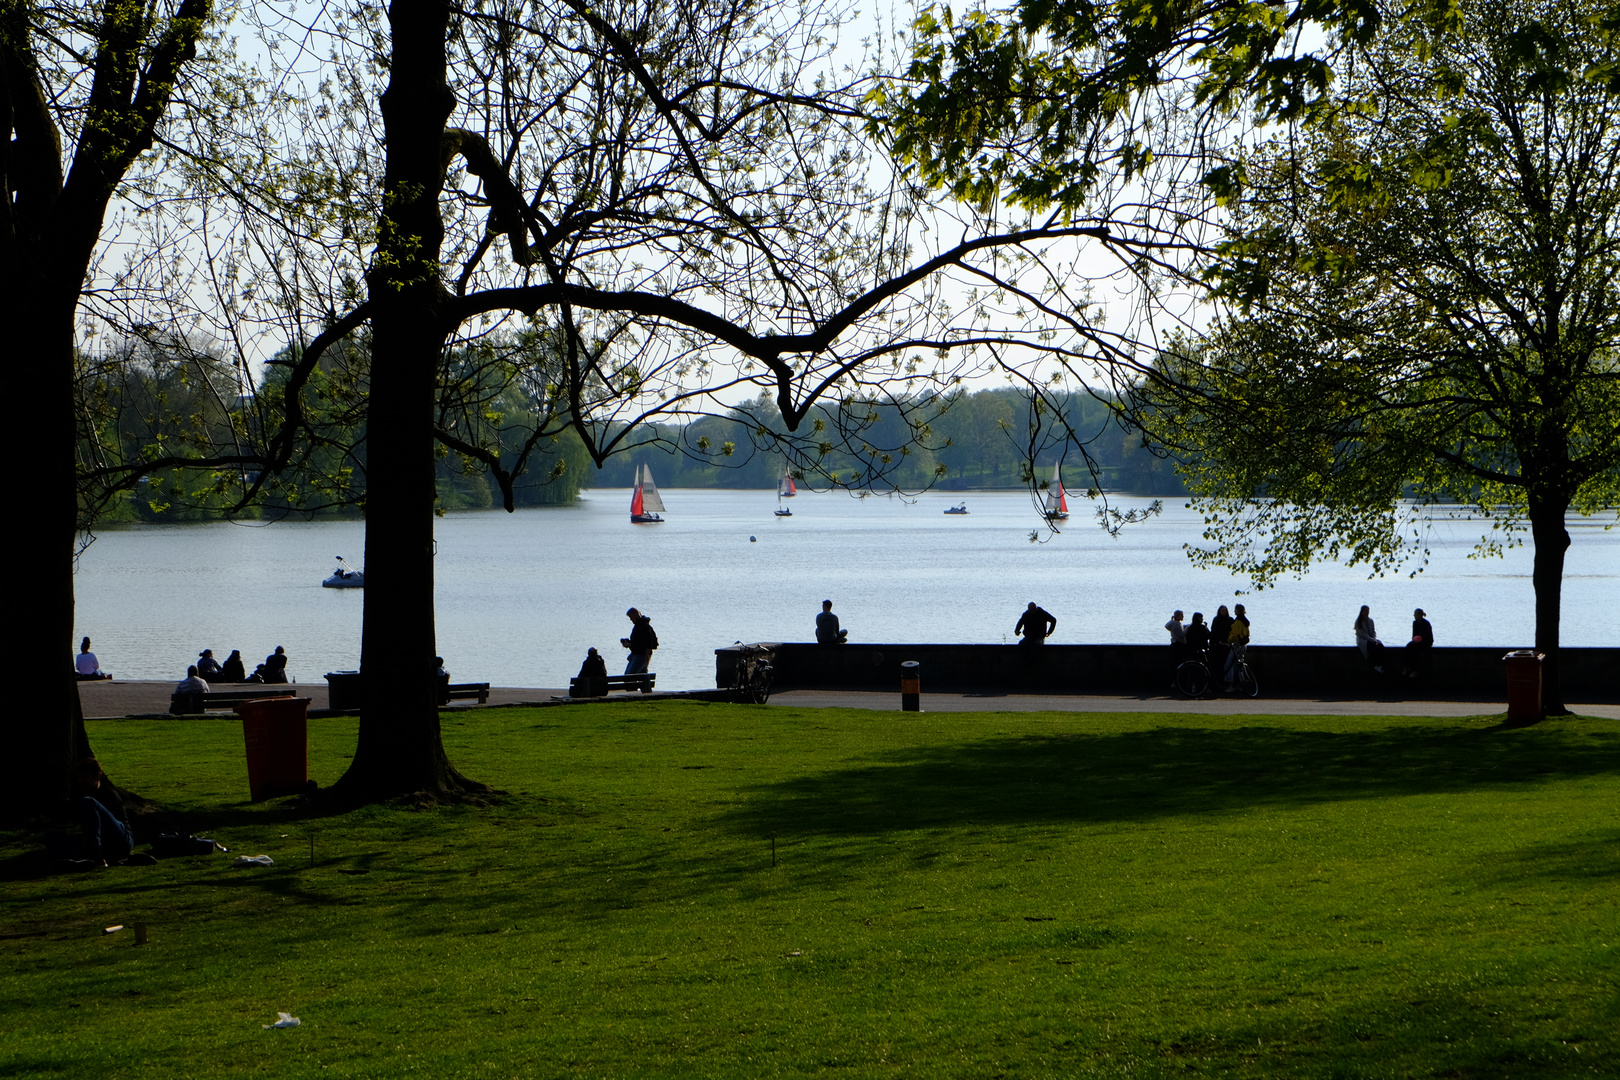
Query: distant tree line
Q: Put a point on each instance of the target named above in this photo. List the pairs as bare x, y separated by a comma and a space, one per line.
145, 400
983, 439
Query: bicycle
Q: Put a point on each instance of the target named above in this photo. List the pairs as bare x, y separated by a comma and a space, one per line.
1193, 678
752, 678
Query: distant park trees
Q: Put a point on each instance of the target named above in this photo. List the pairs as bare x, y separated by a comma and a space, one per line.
976, 439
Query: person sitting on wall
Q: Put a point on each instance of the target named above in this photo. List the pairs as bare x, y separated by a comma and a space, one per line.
275, 666
208, 667
1419, 651
233, 670
85, 666
827, 631
1036, 624
1371, 649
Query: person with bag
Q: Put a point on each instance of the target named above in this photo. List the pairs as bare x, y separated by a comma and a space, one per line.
641, 643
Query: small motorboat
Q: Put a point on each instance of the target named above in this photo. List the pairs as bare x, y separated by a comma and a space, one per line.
345, 577
959, 508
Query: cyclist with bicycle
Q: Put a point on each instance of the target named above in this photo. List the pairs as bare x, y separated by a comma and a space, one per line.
1237, 641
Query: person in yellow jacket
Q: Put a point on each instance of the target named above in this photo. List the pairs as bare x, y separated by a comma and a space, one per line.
1237, 640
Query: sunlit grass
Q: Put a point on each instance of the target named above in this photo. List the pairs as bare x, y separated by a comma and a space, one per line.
953, 895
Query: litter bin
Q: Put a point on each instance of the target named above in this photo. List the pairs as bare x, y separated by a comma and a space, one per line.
910, 686
1523, 686
345, 690
276, 733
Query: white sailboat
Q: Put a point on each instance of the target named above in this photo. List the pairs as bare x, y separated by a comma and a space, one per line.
1057, 502
784, 490
645, 503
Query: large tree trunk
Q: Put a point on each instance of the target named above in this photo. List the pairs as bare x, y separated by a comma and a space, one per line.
400, 750
47, 735
1551, 541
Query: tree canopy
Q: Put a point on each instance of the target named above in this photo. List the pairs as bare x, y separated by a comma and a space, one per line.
1409, 233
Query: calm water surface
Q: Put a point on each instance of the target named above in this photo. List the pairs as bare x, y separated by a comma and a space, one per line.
520, 596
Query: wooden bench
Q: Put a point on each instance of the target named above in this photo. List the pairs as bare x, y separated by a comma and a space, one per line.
598, 687
454, 691
194, 704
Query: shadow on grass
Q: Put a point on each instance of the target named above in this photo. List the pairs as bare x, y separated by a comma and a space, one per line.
1164, 772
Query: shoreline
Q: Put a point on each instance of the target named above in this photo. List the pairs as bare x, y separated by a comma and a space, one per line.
140, 699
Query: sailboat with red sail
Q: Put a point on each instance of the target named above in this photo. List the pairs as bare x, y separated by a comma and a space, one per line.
1057, 502
645, 502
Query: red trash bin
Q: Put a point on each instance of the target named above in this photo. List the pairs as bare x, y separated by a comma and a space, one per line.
1523, 686
276, 732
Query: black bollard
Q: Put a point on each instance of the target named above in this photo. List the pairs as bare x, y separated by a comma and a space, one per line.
910, 686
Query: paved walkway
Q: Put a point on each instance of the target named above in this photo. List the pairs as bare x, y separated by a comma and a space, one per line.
119, 699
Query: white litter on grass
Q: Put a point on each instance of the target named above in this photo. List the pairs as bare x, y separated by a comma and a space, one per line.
287, 1020
253, 860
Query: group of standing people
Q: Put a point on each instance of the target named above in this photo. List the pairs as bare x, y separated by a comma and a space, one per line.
1415, 655
1219, 643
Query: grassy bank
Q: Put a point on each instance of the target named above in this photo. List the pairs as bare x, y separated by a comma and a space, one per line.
953, 895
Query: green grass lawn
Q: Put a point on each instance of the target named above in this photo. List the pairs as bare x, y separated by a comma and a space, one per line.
954, 895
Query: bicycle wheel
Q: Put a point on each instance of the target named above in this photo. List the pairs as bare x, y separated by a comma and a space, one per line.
760, 685
1245, 685
1192, 679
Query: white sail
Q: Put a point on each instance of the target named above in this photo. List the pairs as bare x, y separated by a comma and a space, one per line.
650, 502
1057, 506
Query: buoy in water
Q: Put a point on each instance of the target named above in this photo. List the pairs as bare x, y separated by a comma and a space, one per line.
753, 539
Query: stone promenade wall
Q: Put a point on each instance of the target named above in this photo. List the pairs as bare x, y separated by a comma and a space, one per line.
1307, 671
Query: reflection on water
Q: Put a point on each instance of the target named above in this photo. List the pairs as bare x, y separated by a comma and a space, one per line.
521, 596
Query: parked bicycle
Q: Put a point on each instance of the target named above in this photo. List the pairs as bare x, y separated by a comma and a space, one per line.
752, 678
1194, 680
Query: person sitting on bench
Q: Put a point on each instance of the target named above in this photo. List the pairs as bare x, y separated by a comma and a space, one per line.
594, 667
192, 683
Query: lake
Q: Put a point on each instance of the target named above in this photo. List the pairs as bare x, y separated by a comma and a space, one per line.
520, 596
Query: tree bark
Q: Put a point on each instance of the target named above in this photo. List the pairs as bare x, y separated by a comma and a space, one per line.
48, 736
1551, 541
400, 750
50, 226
